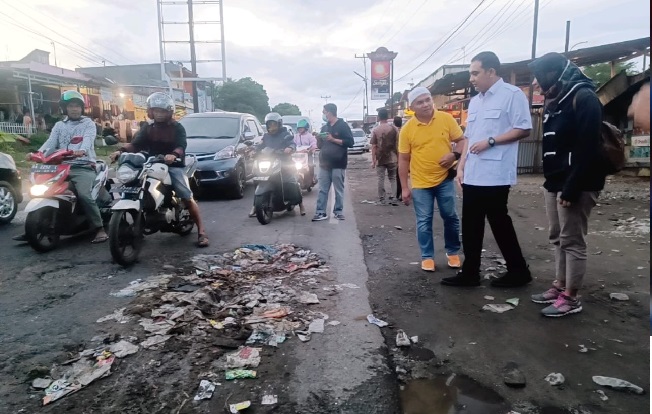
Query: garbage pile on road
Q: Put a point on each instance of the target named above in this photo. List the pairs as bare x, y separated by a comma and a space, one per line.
254, 295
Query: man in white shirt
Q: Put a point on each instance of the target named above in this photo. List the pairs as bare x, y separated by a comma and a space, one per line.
498, 117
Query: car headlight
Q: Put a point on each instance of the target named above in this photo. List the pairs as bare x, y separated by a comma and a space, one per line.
38, 190
125, 175
224, 153
298, 164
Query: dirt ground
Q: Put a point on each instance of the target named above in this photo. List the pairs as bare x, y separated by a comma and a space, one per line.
458, 363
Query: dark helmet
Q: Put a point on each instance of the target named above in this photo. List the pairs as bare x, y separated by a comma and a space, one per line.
70, 97
160, 100
273, 117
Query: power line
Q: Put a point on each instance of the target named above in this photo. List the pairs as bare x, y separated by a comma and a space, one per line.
91, 53
444, 42
50, 17
389, 26
405, 22
352, 100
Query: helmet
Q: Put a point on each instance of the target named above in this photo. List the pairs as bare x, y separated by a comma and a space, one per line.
303, 124
275, 117
69, 97
159, 100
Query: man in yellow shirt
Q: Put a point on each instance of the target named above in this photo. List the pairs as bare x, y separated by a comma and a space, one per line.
426, 154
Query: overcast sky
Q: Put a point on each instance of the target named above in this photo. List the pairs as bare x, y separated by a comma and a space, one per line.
300, 50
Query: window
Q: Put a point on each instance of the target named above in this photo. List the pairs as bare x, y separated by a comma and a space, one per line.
253, 127
207, 127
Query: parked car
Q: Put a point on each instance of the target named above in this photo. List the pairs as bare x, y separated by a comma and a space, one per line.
223, 143
360, 141
11, 188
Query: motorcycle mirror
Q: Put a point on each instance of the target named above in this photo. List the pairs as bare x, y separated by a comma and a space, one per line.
248, 143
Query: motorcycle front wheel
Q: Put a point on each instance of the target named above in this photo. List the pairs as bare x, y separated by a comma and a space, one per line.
263, 207
125, 236
40, 229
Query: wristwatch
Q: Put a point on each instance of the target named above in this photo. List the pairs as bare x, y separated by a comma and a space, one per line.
491, 141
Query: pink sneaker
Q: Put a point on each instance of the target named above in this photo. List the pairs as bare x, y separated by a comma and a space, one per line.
549, 296
564, 305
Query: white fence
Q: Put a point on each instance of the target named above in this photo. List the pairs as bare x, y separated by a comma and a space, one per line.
13, 128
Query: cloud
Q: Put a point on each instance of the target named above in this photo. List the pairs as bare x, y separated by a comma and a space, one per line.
300, 50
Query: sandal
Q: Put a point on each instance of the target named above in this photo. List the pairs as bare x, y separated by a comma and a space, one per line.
100, 239
202, 241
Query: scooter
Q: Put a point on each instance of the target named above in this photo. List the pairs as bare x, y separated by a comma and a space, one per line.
53, 210
275, 189
147, 204
302, 161
11, 188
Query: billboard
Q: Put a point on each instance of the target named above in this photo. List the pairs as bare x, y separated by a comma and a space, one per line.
381, 73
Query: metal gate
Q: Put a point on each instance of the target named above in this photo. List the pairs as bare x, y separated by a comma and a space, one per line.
529, 149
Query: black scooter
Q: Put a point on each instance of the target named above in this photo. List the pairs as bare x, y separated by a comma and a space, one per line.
276, 187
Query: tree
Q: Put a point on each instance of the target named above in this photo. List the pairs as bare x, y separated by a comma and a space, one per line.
397, 98
601, 72
244, 95
286, 109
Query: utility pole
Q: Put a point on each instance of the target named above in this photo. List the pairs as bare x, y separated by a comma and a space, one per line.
534, 44
366, 94
193, 58
567, 35
326, 98
365, 111
54, 49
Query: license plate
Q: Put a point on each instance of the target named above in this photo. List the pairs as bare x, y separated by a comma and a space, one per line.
44, 169
261, 178
128, 190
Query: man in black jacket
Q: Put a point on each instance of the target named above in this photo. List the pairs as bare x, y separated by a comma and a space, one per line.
333, 143
574, 173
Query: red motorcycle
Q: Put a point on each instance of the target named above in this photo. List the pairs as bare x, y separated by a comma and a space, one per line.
53, 210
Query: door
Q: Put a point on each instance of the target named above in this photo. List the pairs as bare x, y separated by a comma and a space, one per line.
252, 127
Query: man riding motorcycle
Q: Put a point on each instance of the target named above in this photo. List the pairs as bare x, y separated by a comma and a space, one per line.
277, 137
82, 173
303, 137
168, 138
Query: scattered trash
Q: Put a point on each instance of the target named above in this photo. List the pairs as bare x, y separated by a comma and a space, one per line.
414, 263
489, 276
240, 374
269, 400
316, 326
154, 340
497, 308
373, 320
618, 296
489, 297
540, 228
308, 298
615, 250
368, 202
41, 383
398, 227
304, 337
205, 392
117, 316
79, 375
555, 379
414, 339
402, 339
349, 286
640, 268
602, 395
243, 357
617, 340
617, 384
333, 323
501, 262
513, 301
123, 348
584, 349
236, 408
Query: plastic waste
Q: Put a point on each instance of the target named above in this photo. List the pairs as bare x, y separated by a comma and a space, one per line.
402, 339
239, 374
618, 384
269, 400
497, 307
316, 326
513, 301
555, 379
243, 357
375, 321
205, 391
236, 408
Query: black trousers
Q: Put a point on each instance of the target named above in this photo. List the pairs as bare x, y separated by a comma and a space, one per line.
490, 202
399, 191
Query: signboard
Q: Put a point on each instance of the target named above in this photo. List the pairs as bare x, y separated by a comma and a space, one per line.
641, 141
381, 73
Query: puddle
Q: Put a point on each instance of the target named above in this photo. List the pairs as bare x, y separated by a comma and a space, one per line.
450, 395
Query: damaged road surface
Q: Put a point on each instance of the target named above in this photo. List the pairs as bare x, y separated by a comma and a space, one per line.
276, 326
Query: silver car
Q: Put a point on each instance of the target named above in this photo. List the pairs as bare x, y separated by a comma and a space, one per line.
360, 141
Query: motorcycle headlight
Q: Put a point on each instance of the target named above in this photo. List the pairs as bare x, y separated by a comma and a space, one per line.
125, 175
264, 166
298, 164
228, 152
38, 190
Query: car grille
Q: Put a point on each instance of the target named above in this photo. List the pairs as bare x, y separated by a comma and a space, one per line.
206, 175
204, 157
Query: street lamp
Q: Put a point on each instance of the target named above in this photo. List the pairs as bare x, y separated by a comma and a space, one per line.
576, 44
364, 101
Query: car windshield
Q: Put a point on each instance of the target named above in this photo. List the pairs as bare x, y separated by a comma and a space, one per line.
214, 128
358, 133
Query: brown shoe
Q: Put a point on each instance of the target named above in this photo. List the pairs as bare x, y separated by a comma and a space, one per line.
428, 265
454, 261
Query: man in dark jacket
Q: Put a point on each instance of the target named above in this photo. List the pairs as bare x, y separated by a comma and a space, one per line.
574, 173
278, 138
168, 138
334, 141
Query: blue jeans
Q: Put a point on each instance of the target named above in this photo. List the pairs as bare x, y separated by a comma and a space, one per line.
326, 178
424, 206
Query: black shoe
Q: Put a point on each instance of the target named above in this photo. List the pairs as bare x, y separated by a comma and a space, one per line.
20, 238
513, 279
460, 279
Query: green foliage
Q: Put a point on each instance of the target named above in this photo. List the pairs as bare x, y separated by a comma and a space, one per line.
243, 95
286, 109
601, 72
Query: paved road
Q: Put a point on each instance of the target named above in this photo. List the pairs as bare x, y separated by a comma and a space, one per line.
50, 303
